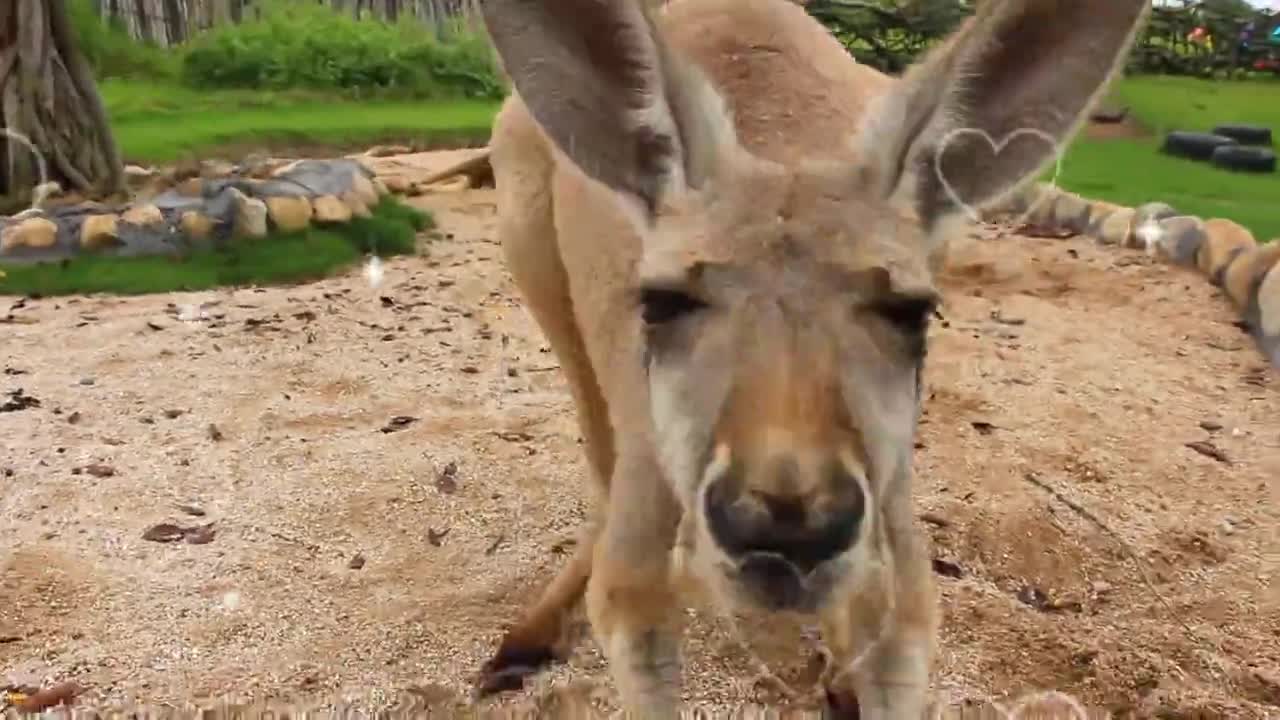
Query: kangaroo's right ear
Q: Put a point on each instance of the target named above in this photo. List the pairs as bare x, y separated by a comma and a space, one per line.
598, 79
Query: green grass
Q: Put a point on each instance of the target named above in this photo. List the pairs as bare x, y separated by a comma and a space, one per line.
1133, 171
164, 123
284, 258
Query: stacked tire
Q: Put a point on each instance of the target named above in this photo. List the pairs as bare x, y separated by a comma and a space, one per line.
1242, 148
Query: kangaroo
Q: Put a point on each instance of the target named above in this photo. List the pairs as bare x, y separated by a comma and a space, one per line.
728, 230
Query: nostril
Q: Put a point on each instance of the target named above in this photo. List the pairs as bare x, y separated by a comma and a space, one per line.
784, 511
783, 525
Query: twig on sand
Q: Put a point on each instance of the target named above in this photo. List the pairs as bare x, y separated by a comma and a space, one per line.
1128, 549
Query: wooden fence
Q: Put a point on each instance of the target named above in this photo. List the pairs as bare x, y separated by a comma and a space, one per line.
172, 22
887, 34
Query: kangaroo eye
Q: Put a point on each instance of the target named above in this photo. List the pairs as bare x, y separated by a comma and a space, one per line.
661, 306
909, 315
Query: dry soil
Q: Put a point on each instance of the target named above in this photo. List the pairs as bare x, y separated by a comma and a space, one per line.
1082, 545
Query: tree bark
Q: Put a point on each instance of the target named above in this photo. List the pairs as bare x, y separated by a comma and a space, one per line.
48, 96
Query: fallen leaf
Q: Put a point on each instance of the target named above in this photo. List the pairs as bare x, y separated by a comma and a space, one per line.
168, 532
202, 535
18, 401
497, 542
1208, 449
946, 568
164, 532
446, 481
398, 422
356, 562
514, 436
61, 694
983, 427
100, 470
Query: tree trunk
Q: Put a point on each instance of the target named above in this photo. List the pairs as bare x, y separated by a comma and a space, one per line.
48, 97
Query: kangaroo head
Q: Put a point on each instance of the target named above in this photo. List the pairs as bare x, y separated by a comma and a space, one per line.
785, 309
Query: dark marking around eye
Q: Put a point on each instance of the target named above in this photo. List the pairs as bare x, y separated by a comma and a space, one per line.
661, 306
910, 315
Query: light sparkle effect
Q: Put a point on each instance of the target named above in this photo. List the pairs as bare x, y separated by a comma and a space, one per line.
373, 271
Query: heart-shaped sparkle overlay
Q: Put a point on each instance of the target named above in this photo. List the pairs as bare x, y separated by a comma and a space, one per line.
996, 149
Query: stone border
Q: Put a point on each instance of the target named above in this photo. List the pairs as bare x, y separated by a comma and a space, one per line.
1223, 251
198, 213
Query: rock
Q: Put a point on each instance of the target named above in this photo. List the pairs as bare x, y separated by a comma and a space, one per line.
364, 189
196, 225
396, 184
1226, 239
380, 187
1070, 212
1247, 271
1114, 230
210, 169
1144, 214
415, 190
286, 168
387, 150
192, 187
330, 209
250, 219
36, 233
1098, 212
45, 191
1267, 302
289, 214
137, 173
147, 215
100, 232
1177, 240
1040, 205
356, 202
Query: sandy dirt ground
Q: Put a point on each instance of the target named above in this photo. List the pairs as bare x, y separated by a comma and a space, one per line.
388, 475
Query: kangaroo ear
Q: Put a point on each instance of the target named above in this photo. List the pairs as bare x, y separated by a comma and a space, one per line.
597, 77
990, 107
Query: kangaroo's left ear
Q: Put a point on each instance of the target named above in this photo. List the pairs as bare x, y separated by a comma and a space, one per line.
1018, 77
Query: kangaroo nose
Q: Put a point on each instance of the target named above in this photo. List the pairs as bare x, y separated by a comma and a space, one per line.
749, 523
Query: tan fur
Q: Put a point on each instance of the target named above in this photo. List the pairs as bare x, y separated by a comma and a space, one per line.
733, 152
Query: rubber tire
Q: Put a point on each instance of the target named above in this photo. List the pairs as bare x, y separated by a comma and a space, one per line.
1194, 145
1108, 116
1245, 134
1244, 158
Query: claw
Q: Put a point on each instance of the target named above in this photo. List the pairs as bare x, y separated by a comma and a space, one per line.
508, 668
841, 705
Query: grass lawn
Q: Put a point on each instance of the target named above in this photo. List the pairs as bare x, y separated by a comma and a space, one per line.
285, 258
1132, 171
164, 123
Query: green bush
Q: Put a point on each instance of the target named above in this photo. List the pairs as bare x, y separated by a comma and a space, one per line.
294, 45
112, 53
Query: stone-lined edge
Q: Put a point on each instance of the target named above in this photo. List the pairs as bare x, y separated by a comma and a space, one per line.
1223, 251
199, 213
